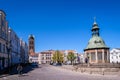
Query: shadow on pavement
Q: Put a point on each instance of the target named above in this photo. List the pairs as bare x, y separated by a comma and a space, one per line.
13, 70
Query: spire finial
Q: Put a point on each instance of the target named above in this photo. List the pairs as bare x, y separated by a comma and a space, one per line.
95, 20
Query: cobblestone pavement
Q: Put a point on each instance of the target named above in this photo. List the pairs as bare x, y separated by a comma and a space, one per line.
47, 72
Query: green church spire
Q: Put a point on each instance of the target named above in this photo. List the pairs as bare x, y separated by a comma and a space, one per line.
95, 28
95, 41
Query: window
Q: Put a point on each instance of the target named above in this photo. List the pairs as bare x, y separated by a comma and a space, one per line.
3, 48
0, 48
48, 58
112, 57
92, 56
117, 62
105, 56
116, 57
99, 55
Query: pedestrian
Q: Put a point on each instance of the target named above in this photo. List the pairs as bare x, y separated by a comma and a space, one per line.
19, 69
86, 60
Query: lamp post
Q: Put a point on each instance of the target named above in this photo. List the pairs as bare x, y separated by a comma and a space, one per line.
8, 52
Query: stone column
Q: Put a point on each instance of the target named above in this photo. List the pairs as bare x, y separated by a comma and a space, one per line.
103, 60
96, 56
108, 56
85, 54
90, 57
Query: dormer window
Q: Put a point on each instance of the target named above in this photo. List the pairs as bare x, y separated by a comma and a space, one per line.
97, 41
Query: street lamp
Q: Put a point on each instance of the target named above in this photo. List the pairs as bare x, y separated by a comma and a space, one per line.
8, 51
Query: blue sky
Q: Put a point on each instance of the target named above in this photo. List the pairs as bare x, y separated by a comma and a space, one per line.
63, 24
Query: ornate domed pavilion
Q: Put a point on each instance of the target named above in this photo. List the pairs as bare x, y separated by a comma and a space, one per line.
96, 50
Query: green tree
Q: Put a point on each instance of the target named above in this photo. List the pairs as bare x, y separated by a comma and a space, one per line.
58, 57
71, 57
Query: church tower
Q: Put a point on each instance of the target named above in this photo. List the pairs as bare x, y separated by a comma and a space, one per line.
96, 50
31, 45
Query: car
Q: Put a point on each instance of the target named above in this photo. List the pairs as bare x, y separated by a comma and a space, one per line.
54, 64
57, 64
51, 63
34, 64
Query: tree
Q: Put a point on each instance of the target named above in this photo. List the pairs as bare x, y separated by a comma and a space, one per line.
58, 57
71, 57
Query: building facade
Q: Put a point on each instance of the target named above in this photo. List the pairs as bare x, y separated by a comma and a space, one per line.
15, 47
96, 50
81, 58
4, 42
24, 55
115, 55
34, 58
9, 44
45, 56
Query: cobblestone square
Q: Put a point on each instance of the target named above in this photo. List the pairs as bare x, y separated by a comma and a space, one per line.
48, 72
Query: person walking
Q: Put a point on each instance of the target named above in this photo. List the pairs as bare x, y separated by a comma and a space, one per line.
19, 69
86, 60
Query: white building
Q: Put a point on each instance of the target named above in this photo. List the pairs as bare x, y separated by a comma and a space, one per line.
15, 47
39, 58
24, 52
45, 57
81, 58
34, 58
115, 55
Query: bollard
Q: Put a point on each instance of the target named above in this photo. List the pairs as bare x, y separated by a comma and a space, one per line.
90, 72
103, 73
81, 71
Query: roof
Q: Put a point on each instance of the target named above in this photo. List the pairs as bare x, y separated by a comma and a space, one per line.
31, 36
3, 12
34, 55
46, 52
96, 42
117, 48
